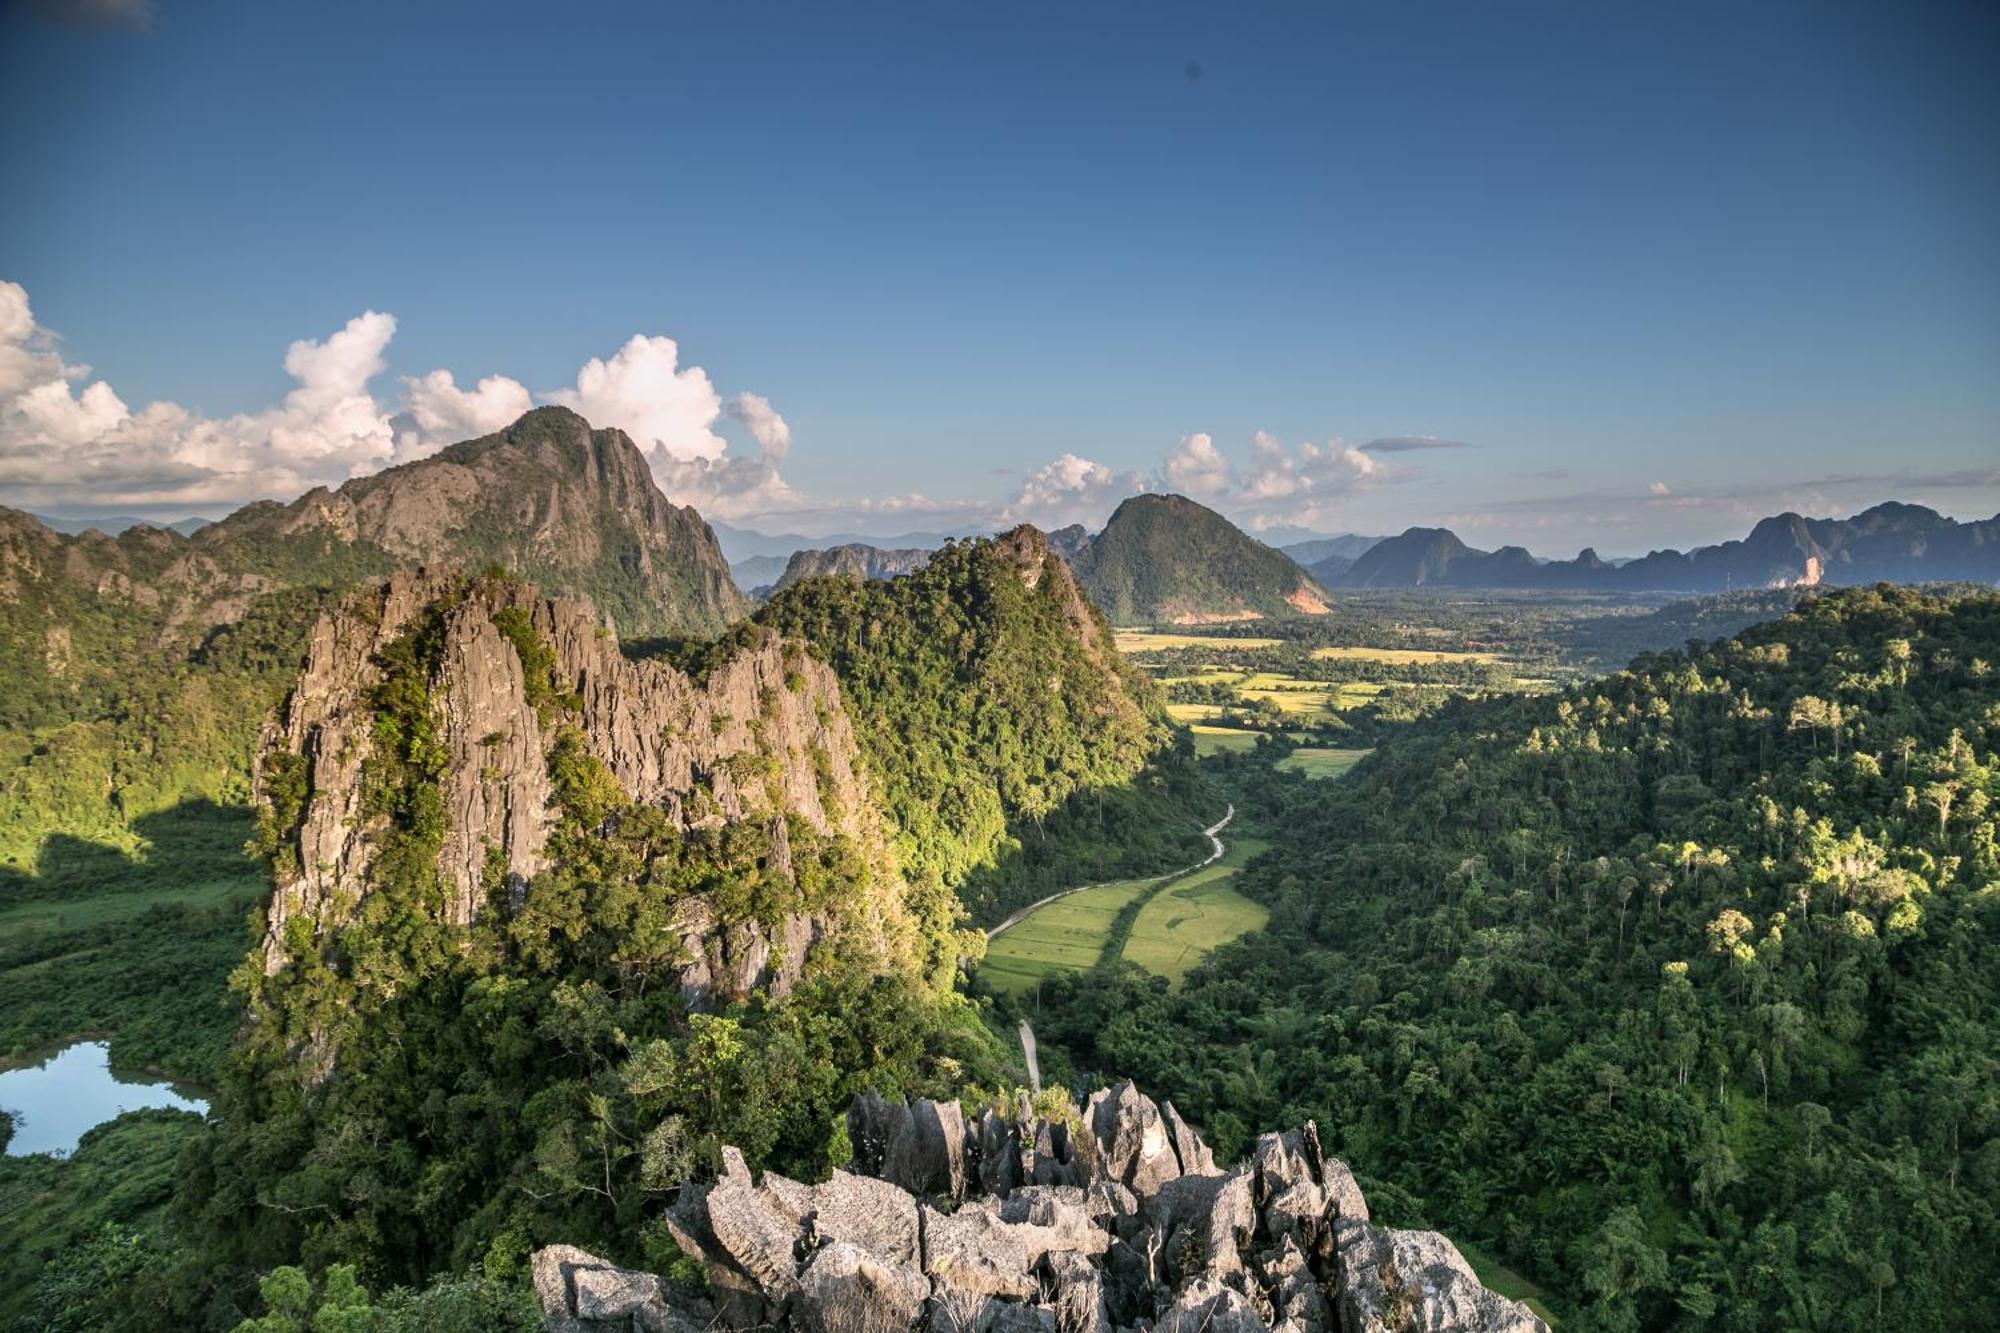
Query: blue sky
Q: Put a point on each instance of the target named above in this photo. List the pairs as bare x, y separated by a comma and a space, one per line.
1660, 268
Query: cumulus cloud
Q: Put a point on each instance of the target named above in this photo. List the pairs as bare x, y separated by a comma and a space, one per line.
1196, 468
1405, 444
644, 391
755, 414
1070, 489
441, 412
67, 439
1277, 484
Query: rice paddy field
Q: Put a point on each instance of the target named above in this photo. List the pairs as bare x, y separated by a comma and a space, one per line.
1133, 642
1066, 935
1210, 740
1189, 919
1180, 925
1403, 656
1322, 762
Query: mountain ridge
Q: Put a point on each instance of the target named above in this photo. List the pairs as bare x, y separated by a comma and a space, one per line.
1891, 542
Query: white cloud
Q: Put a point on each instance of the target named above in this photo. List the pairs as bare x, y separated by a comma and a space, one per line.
1070, 489
644, 391
756, 415
1195, 467
63, 445
67, 440
444, 413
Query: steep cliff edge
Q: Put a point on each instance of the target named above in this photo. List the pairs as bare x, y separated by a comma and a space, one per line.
489, 690
1117, 1217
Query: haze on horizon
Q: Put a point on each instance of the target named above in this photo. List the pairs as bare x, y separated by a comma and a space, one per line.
1553, 275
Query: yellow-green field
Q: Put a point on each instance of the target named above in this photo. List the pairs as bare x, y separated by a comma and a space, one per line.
1131, 641
1404, 656
1215, 740
1065, 936
1177, 928
1317, 762
1190, 918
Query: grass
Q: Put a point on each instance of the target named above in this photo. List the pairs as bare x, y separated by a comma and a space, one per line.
1130, 641
1216, 740
1179, 925
1190, 918
1067, 935
1405, 656
1319, 762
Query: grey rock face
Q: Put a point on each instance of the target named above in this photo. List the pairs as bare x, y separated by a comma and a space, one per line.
763, 738
1276, 1244
1417, 1282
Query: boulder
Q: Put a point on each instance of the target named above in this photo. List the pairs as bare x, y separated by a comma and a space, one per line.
927, 1155
1206, 1306
581, 1293
845, 1289
1132, 1144
1204, 1223
1417, 1282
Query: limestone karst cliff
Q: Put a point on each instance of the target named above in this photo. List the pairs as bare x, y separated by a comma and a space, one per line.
1118, 1218
854, 560
505, 678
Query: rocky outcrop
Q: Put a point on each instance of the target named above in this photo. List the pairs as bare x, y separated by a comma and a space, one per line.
1142, 1231
762, 738
854, 560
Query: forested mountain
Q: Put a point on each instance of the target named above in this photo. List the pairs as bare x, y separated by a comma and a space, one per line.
551, 923
1165, 558
985, 686
140, 667
1678, 988
1892, 542
853, 560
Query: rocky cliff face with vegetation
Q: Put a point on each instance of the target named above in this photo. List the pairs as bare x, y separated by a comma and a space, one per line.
855, 560
1037, 1221
504, 707
139, 665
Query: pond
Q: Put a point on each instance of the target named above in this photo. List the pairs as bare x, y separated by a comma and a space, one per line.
58, 1101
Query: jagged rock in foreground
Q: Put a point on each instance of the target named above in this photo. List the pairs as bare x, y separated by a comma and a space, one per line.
1129, 1224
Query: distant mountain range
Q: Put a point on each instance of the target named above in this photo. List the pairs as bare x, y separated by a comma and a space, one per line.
1896, 543
1166, 558
113, 524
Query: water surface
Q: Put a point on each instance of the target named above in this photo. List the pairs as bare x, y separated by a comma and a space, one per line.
72, 1092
